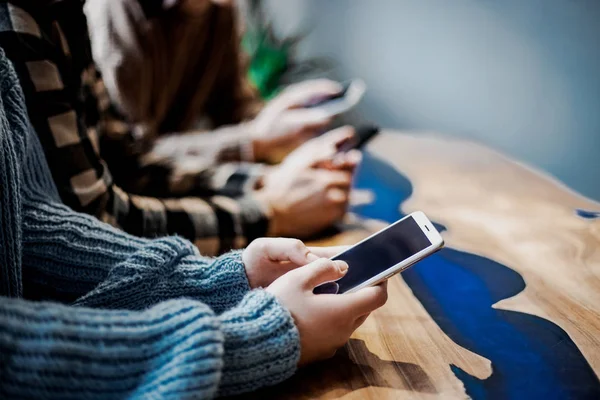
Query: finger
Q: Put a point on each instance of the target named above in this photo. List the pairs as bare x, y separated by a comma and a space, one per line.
338, 136
361, 197
354, 157
324, 164
307, 119
303, 93
347, 161
293, 250
365, 300
323, 158
321, 271
334, 178
337, 195
325, 147
328, 252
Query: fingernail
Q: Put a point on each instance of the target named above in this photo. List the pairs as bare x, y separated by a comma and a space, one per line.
355, 156
342, 266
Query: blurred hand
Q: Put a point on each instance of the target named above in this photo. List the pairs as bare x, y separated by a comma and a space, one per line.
322, 152
284, 123
304, 201
266, 259
325, 322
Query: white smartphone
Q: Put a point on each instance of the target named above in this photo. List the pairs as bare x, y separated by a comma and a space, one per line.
350, 96
386, 253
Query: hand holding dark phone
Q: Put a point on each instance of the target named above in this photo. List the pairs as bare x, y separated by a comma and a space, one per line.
385, 254
362, 136
350, 95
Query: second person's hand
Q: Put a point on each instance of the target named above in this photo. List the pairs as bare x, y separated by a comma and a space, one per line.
304, 198
323, 152
302, 202
285, 123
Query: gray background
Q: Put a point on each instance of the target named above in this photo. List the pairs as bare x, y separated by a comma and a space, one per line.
522, 76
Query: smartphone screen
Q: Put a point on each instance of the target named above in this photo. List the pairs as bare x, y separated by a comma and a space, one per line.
382, 252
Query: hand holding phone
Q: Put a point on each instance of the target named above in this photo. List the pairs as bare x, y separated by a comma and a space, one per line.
342, 102
362, 136
325, 323
385, 254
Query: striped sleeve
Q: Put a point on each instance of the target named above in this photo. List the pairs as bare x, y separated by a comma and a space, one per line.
69, 127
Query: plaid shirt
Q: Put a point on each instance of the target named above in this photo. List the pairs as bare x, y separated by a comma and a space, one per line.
84, 139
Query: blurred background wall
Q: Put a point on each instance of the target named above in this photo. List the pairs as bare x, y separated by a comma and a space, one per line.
520, 75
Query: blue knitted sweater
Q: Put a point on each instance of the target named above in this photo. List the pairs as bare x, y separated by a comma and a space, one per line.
89, 312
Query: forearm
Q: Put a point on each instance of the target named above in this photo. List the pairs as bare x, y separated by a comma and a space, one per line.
179, 164
172, 350
68, 255
223, 144
215, 225
166, 269
190, 175
176, 349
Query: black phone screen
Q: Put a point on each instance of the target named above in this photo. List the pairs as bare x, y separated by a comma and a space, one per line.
382, 252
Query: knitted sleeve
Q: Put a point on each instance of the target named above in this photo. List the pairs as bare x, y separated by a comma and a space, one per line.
69, 256
176, 349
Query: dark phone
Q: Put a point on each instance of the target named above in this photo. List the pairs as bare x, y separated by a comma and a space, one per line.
377, 254
362, 137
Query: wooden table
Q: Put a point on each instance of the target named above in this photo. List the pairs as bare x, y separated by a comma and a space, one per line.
511, 307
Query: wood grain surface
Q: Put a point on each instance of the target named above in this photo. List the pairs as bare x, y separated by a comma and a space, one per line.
511, 308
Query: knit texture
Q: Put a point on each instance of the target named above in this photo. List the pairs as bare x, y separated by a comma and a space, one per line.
90, 312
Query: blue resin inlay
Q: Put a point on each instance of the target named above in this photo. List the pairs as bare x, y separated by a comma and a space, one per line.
532, 358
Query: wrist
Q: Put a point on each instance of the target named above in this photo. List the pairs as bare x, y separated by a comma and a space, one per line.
262, 344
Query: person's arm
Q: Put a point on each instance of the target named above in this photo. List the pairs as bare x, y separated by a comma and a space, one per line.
180, 164
175, 349
83, 180
149, 345
71, 257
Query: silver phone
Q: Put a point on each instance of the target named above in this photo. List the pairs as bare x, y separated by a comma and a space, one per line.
350, 96
386, 253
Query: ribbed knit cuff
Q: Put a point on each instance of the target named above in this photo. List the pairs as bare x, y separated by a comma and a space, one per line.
262, 344
229, 281
169, 268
